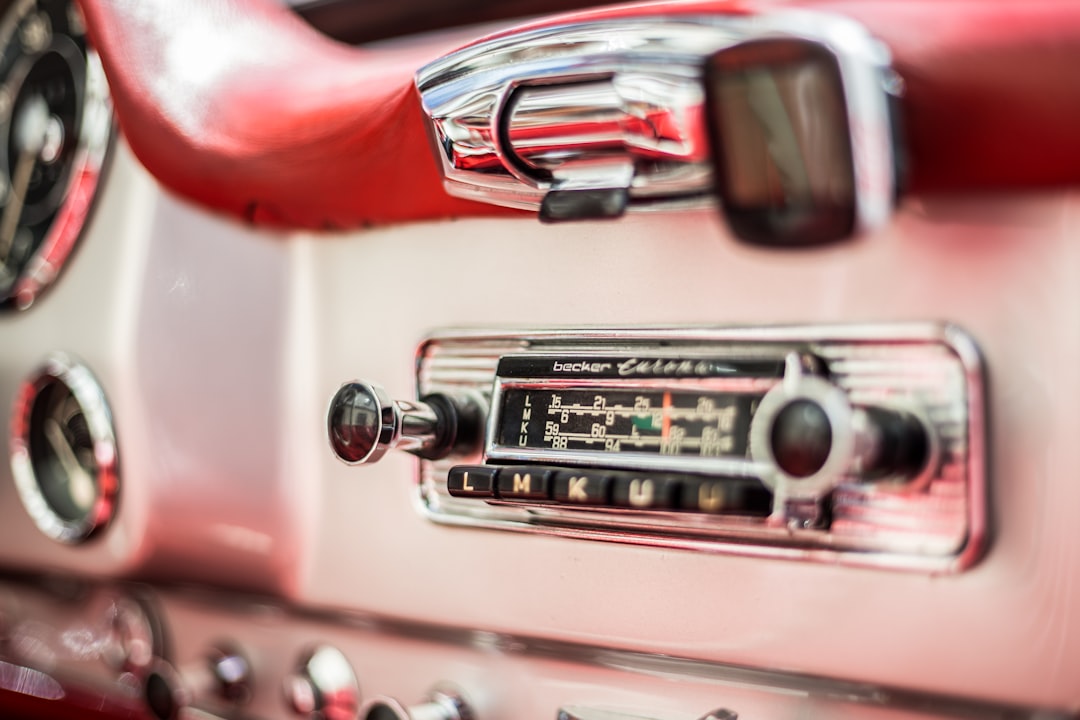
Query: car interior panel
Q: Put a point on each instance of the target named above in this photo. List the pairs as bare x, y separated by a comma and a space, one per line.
539, 359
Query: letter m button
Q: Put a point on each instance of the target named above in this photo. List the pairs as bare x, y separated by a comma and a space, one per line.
525, 482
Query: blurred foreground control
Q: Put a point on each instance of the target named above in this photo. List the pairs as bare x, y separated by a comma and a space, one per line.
585, 121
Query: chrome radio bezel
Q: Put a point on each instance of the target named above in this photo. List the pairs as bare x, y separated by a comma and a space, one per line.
466, 361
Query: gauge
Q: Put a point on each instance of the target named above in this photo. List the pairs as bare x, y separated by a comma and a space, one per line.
64, 451
55, 125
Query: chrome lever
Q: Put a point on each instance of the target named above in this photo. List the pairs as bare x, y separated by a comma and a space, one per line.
588, 139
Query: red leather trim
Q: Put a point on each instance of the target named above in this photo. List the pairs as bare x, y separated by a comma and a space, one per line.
76, 704
992, 97
238, 105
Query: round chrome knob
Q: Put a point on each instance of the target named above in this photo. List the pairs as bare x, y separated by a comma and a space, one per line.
223, 672
811, 438
443, 703
364, 423
323, 686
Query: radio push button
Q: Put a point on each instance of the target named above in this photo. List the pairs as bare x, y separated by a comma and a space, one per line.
645, 491
474, 481
718, 496
582, 487
525, 482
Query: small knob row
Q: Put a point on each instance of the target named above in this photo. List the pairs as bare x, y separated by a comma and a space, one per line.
323, 686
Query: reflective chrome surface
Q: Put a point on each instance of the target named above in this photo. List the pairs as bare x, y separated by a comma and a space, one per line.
63, 451
591, 713
618, 105
363, 423
323, 687
444, 703
934, 522
855, 442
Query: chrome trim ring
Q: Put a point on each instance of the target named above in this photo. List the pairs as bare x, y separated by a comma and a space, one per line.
61, 369
834, 403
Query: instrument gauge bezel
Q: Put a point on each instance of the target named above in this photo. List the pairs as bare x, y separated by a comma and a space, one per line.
54, 234
60, 372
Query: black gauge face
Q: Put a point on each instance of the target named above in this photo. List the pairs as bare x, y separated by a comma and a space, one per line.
54, 125
62, 453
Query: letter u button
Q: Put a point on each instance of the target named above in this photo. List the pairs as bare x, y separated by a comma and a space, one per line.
644, 491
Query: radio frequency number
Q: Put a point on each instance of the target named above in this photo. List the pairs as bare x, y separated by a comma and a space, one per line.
666, 422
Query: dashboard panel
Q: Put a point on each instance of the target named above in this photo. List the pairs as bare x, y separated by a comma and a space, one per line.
246, 571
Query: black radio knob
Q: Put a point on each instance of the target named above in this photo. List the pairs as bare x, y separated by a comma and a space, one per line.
364, 422
801, 438
809, 438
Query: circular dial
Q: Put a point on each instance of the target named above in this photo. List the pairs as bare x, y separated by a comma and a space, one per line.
64, 451
55, 122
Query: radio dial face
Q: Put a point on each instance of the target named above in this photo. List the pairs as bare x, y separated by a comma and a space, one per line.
700, 423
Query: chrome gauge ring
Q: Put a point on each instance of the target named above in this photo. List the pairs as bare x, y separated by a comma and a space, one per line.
63, 451
55, 127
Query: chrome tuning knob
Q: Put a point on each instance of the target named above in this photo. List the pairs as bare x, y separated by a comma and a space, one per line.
810, 438
364, 422
443, 703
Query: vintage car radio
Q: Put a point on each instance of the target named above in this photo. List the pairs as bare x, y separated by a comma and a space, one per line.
860, 445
